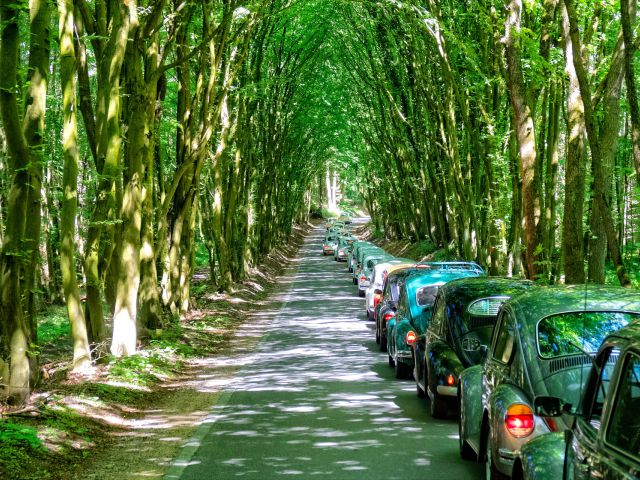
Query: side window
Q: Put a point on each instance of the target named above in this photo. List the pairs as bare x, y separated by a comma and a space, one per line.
623, 431
438, 314
504, 339
601, 387
402, 301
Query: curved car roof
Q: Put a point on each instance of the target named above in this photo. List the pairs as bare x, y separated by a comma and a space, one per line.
545, 301
423, 278
465, 290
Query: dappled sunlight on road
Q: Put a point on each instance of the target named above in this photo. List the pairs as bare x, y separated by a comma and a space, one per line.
313, 396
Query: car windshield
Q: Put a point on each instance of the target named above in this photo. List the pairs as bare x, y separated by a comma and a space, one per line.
575, 332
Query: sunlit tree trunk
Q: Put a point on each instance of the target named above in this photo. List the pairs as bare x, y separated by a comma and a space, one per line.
14, 331
81, 352
525, 131
572, 230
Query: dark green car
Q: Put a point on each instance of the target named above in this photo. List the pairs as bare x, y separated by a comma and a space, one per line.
465, 312
542, 345
604, 440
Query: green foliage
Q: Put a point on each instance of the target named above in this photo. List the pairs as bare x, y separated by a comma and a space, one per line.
144, 369
13, 435
53, 325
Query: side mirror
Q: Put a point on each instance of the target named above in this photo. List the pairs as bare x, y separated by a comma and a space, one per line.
550, 406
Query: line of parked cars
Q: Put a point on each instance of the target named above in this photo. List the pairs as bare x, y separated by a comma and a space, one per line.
544, 381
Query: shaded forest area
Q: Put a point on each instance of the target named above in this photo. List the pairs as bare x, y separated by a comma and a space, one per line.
137, 133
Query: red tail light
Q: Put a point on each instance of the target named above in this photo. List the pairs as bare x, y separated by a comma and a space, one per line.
451, 380
388, 316
411, 338
363, 278
376, 299
519, 420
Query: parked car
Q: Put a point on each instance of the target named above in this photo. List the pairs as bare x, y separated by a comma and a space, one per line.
373, 294
345, 243
360, 256
385, 310
415, 305
604, 438
541, 345
458, 336
365, 273
330, 244
353, 254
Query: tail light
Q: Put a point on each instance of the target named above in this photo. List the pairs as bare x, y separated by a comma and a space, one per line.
411, 338
451, 380
363, 278
519, 420
376, 299
388, 316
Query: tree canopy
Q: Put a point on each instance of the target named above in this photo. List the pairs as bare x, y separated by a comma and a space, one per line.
138, 135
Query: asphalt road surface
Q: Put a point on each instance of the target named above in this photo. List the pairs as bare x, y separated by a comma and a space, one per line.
317, 399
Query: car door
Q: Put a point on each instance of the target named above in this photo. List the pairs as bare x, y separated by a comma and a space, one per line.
582, 452
619, 447
498, 364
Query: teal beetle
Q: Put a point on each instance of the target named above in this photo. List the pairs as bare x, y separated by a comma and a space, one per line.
604, 439
459, 334
541, 346
415, 303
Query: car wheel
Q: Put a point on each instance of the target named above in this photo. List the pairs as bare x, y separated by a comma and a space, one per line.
361, 293
401, 370
355, 282
421, 393
383, 343
391, 361
377, 334
439, 407
490, 471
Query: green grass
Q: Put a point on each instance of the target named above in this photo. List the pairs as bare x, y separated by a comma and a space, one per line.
53, 324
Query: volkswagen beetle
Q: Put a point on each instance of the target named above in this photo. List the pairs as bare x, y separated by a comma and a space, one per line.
459, 334
541, 346
415, 304
604, 439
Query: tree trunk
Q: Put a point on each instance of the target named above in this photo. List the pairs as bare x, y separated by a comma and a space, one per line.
525, 131
81, 352
572, 223
627, 16
14, 331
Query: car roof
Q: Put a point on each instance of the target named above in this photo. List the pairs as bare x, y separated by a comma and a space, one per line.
542, 302
421, 278
464, 290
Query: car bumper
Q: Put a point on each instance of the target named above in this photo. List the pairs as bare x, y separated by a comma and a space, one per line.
447, 391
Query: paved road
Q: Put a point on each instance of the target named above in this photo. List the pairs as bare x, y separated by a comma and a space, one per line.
318, 400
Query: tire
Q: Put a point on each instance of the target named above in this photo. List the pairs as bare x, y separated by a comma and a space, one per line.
401, 370
438, 406
355, 282
361, 293
466, 452
383, 343
490, 471
421, 393
391, 361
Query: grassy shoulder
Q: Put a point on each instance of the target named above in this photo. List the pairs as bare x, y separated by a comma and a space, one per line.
130, 416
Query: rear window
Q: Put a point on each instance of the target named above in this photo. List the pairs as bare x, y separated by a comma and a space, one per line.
575, 332
426, 295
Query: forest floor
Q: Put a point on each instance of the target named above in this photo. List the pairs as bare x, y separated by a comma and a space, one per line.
129, 418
